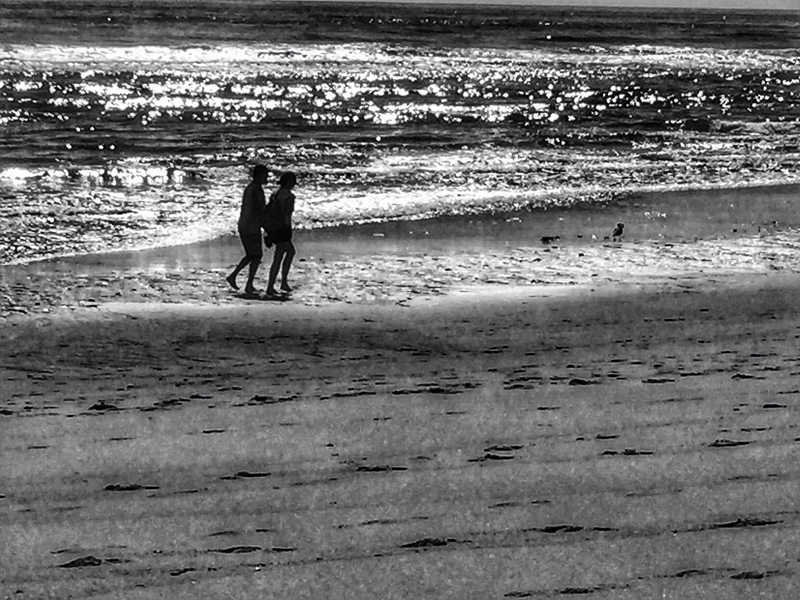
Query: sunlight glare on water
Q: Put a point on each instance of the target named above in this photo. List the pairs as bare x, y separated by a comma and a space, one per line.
118, 138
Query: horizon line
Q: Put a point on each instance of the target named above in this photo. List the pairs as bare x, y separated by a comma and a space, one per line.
546, 4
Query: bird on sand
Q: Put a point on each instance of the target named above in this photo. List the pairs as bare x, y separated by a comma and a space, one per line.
616, 235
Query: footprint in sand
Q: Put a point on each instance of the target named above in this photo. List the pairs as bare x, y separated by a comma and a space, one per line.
237, 550
658, 380
726, 443
427, 543
628, 452
491, 453
167, 404
579, 381
689, 573
84, 561
503, 448
103, 405
128, 487
754, 574
489, 456
245, 475
560, 529
571, 591
744, 522
379, 469
504, 505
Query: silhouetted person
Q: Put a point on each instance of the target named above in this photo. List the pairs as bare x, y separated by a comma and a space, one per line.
616, 235
278, 228
251, 216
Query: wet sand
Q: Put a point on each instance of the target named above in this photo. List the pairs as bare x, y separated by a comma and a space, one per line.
446, 420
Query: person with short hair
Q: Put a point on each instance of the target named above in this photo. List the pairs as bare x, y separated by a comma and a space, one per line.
251, 216
278, 227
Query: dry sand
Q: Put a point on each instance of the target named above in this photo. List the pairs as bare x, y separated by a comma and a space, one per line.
442, 419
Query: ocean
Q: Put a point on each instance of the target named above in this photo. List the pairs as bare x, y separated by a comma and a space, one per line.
135, 125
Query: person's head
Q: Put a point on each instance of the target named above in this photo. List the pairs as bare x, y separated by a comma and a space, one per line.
260, 173
288, 180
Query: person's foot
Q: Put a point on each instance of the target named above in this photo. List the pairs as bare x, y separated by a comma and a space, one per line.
285, 288
231, 279
250, 291
272, 292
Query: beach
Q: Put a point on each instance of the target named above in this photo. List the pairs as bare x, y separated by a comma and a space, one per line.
476, 389
445, 409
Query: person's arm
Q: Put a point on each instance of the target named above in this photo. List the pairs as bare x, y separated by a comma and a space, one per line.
259, 204
289, 209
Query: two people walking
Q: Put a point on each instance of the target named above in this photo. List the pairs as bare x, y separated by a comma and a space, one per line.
275, 218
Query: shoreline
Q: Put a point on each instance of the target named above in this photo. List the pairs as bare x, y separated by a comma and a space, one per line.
717, 235
670, 215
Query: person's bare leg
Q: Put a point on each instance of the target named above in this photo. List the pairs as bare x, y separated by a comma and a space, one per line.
287, 264
231, 279
274, 268
251, 275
